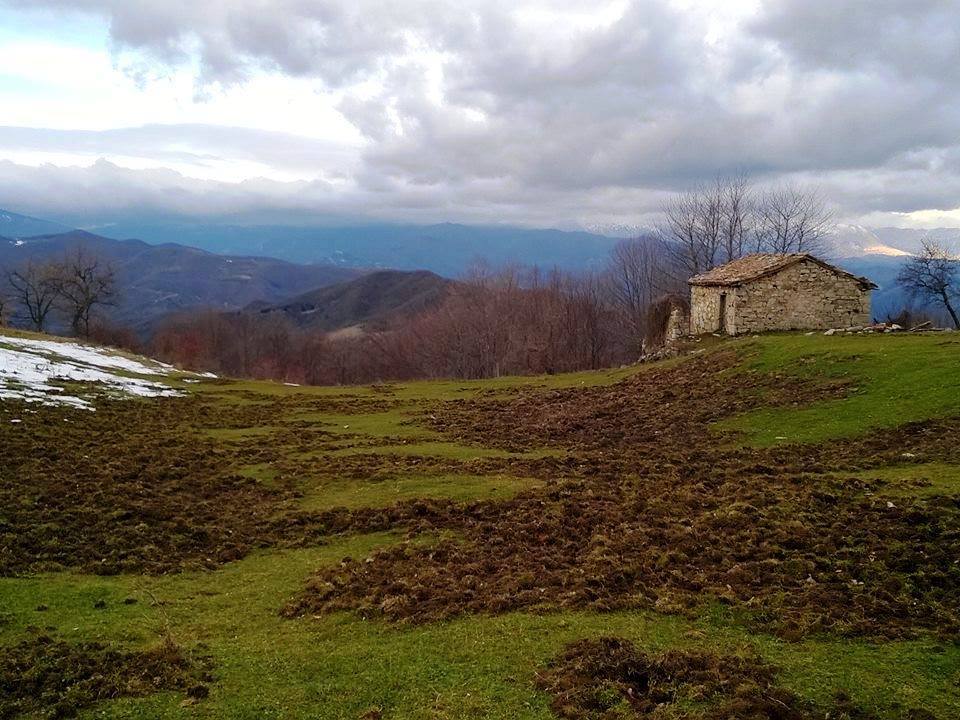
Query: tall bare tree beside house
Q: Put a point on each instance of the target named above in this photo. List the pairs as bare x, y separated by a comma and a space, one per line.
691, 229
736, 215
35, 287
710, 224
716, 223
85, 282
933, 276
791, 219
638, 271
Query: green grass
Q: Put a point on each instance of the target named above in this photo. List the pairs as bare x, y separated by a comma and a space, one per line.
893, 379
239, 433
917, 479
340, 666
442, 449
381, 493
425, 390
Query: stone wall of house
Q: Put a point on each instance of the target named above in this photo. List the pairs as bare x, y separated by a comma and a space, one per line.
804, 296
705, 309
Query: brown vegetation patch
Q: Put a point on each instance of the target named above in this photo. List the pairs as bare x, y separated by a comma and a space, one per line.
126, 488
58, 679
654, 511
135, 487
660, 409
609, 678
646, 507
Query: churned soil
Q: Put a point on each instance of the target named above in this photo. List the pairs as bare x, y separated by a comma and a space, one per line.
651, 509
642, 504
60, 678
662, 409
128, 488
609, 678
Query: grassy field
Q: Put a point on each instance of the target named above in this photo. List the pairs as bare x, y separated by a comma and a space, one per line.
428, 550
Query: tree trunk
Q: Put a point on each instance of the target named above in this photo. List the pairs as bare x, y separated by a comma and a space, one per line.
953, 313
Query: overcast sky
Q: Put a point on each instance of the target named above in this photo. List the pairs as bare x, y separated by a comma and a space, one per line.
552, 113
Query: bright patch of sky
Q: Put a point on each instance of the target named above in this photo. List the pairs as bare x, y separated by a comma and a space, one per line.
478, 110
52, 78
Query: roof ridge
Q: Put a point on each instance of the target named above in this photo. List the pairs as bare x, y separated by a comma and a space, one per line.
758, 265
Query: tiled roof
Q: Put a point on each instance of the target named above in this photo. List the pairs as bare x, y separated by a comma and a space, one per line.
758, 265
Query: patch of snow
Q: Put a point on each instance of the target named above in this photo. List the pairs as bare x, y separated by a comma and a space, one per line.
30, 368
885, 250
85, 354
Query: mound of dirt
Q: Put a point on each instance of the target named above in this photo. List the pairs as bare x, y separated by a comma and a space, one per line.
58, 679
609, 678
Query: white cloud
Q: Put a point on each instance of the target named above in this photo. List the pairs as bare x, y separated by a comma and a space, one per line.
539, 111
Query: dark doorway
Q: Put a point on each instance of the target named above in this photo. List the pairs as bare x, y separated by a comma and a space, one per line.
723, 313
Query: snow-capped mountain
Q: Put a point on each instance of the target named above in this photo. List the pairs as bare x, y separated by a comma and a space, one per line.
857, 241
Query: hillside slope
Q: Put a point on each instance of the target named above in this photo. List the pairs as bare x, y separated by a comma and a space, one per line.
376, 299
155, 280
766, 528
15, 226
40, 370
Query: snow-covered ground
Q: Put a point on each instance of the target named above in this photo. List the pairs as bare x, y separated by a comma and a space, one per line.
30, 370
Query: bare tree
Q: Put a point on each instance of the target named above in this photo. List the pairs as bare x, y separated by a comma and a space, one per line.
85, 282
933, 276
591, 317
709, 224
720, 222
790, 219
35, 287
638, 271
691, 229
736, 215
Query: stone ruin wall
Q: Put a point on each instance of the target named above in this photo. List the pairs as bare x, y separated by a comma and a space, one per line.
804, 296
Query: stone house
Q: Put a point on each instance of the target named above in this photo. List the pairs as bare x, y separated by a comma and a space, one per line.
765, 292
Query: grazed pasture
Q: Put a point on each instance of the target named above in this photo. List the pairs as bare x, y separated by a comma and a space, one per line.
787, 504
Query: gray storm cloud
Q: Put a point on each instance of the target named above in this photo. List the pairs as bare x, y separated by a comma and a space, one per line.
482, 112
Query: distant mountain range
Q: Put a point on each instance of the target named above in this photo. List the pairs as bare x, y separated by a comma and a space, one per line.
446, 249
859, 241
307, 273
17, 226
879, 253
370, 301
155, 280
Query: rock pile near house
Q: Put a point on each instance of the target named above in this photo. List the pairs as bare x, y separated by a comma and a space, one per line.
882, 328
